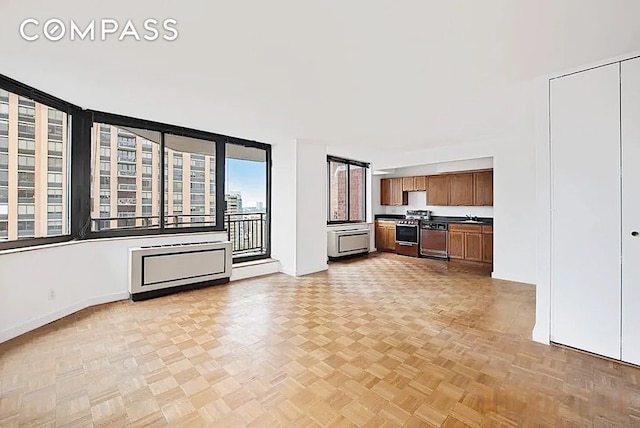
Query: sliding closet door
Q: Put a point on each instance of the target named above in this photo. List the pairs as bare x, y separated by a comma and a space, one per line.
630, 85
585, 219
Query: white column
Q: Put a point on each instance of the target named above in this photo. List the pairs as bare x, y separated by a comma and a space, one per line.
298, 207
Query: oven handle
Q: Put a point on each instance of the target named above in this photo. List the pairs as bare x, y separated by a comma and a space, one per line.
406, 244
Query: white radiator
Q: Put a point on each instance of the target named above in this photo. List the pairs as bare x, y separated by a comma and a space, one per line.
347, 242
162, 269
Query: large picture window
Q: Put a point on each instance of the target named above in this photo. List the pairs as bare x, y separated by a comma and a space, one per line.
123, 177
30, 171
117, 171
347, 185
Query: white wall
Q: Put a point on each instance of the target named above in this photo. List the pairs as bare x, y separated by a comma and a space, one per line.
311, 203
299, 239
283, 205
418, 200
81, 274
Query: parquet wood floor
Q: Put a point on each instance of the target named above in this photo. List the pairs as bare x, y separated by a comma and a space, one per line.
381, 341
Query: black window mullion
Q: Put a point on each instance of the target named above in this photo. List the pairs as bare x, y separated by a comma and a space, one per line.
80, 188
221, 151
162, 181
348, 191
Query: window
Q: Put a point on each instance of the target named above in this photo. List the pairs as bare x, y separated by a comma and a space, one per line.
42, 202
131, 188
196, 152
55, 164
54, 196
26, 162
346, 190
26, 210
27, 145
27, 195
55, 147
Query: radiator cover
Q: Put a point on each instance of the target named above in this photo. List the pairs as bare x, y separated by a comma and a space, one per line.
162, 269
348, 242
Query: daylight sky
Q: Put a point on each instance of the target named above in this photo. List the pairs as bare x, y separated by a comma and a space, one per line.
248, 178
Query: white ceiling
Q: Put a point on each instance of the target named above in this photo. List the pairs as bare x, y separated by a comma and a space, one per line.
408, 74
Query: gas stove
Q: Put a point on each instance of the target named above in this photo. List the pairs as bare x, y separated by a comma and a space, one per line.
418, 215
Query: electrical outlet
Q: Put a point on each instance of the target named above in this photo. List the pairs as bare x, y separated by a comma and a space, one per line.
52, 294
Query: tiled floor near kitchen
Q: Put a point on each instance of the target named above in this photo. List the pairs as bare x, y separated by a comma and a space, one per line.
383, 341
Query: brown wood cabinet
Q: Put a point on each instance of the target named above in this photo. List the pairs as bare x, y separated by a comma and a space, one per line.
420, 183
408, 184
474, 188
472, 242
385, 191
391, 192
438, 190
473, 247
461, 189
483, 188
487, 247
456, 245
385, 235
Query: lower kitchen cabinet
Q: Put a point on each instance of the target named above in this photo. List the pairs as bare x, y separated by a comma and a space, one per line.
456, 245
473, 247
386, 235
471, 242
487, 244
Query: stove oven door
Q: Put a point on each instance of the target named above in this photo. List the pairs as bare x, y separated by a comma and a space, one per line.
407, 233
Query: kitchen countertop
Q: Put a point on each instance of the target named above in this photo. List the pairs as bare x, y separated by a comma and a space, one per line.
443, 219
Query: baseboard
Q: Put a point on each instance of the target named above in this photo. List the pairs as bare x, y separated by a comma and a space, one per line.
61, 313
309, 271
540, 335
253, 270
505, 278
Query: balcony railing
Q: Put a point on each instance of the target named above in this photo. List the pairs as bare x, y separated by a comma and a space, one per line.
248, 233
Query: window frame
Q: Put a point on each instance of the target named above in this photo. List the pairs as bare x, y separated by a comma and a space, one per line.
79, 129
348, 163
22, 90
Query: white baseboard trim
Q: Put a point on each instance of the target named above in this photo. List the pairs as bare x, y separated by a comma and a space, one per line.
309, 271
506, 278
265, 267
35, 323
540, 335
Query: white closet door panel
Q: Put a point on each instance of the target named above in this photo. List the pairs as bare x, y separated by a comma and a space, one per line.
586, 205
630, 85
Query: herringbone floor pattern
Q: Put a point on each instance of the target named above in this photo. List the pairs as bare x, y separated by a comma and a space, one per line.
384, 341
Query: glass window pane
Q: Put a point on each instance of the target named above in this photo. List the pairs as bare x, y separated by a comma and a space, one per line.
246, 199
125, 200
189, 199
357, 179
337, 191
26, 205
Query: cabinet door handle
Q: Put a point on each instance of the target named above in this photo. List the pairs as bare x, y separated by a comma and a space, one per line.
634, 233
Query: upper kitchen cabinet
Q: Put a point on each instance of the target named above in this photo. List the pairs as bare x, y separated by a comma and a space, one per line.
408, 184
483, 188
392, 193
461, 189
385, 191
438, 190
420, 183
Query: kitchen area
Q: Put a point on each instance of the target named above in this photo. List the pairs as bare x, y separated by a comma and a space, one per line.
440, 211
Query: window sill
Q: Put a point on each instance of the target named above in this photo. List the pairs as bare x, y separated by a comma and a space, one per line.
106, 239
